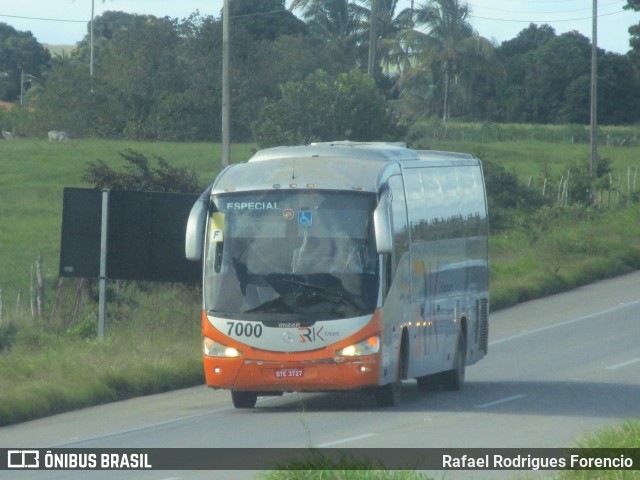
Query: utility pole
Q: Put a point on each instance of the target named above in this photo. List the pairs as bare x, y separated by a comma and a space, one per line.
226, 102
373, 20
91, 38
593, 166
21, 86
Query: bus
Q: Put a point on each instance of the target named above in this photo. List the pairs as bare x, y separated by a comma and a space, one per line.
342, 266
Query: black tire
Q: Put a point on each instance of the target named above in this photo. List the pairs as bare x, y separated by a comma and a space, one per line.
453, 380
244, 399
390, 395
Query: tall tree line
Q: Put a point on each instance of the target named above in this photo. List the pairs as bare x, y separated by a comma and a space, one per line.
160, 78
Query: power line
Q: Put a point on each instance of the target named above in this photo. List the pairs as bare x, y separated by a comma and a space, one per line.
44, 19
517, 12
257, 14
545, 21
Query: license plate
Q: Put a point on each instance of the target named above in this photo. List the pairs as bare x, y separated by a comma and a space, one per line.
289, 373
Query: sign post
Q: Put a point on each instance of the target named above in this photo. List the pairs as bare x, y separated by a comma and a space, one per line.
103, 265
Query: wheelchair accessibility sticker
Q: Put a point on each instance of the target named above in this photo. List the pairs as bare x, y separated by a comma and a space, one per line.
305, 218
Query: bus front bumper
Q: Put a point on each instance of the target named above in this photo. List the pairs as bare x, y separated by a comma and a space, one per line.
330, 374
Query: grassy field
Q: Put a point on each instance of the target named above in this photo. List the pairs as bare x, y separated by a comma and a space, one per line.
34, 174
538, 159
558, 250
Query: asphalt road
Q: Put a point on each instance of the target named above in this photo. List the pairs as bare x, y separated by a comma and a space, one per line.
557, 369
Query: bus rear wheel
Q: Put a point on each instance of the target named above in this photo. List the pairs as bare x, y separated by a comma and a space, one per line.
244, 399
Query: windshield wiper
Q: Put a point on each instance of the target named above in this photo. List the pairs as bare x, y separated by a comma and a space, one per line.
277, 305
343, 294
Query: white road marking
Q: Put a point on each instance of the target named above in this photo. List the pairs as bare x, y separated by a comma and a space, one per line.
503, 400
346, 440
623, 364
566, 322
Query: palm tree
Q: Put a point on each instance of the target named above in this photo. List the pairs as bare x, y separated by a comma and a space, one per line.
393, 57
346, 26
339, 23
448, 42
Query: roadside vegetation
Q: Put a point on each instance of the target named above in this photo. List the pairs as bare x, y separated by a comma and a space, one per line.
150, 78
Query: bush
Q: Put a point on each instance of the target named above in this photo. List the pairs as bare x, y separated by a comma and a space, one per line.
7, 335
139, 175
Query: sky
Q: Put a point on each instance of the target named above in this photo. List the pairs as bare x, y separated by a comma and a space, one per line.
64, 22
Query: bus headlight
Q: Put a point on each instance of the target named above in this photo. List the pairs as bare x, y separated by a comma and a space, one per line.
366, 347
214, 349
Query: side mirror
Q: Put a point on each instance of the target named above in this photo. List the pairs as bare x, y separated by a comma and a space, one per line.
195, 228
383, 224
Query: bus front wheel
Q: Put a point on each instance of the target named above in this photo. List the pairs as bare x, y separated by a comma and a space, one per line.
244, 399
390, 395
454, 379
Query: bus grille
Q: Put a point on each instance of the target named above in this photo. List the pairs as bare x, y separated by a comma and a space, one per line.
482, 325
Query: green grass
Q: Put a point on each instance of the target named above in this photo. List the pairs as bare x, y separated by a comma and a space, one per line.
579, 248
152, 345
538, 159
34, 174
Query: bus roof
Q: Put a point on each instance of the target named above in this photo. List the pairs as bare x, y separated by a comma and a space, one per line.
380, 151
341, 165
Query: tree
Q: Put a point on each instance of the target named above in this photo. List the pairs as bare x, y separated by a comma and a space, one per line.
527, 40
634, 31
139, 69
556, 64
618, 101
266, 19
340, 25
518, 56
449, 40
390, 53
66, 103
324, 108
20, 53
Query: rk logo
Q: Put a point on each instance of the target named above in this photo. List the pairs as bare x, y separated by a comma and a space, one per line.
311, 334
23, 459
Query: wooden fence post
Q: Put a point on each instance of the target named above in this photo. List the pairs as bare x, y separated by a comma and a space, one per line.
560, 186
56, 302
78, 300
19, 302
628, 186
32, 296
40, 278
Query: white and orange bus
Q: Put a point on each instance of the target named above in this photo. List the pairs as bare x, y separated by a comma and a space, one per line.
342, 266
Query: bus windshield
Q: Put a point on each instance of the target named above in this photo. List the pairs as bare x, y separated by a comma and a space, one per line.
301, 255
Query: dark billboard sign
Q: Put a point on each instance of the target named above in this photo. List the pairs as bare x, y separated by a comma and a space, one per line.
145, 236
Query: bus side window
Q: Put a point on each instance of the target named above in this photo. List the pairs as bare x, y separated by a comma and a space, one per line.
399, 212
